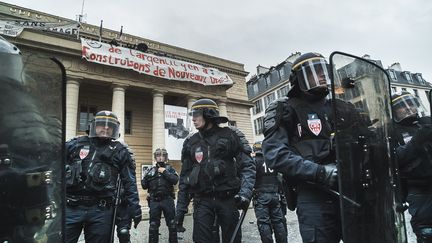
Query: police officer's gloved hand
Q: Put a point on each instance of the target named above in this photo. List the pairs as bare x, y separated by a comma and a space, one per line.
327, 175
241, 202
422, 135
137, 219
136, 214
179, 222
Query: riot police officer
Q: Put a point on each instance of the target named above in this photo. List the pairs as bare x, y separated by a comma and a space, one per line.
94, 165
297, 143
30, 150
160, 180
414, 156
218, 171
266, 201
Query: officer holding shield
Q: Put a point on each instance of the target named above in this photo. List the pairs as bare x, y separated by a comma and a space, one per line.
94, 163
298, 143
414, 156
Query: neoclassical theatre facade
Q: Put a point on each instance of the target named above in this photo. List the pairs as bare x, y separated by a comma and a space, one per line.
139, 94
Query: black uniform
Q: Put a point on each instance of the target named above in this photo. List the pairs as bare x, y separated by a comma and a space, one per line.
415, 162
93, 166
161, 199
216, 166
267, 198
298, 144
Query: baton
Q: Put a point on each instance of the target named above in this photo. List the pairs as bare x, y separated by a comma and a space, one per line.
239, 223
336, 193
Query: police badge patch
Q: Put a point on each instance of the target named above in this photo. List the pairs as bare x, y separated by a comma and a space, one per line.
84, 152
199, 155
314, 124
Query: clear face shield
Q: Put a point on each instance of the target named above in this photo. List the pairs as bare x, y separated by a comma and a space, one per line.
104, 127
405, 106
161, 157
313, 74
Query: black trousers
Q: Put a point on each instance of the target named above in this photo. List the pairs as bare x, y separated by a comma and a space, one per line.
123, 222
205, 211
318, 215
270, 217
420, 208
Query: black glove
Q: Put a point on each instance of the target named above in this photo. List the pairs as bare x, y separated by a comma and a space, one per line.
136, 214
137, 219
327, 175
241, 202
422, 135
179, 222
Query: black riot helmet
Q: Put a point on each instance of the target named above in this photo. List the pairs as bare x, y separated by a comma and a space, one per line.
405, 107
257, 148
163, 154
208, 109
11, 64
105, 124
310, 74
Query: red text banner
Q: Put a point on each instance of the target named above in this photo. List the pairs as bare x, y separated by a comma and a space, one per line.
162, 67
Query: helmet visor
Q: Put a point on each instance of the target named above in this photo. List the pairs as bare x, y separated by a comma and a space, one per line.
196, 112
405, 106
104, 127
312, 73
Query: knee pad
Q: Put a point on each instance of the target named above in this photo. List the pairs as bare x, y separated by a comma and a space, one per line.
123, 235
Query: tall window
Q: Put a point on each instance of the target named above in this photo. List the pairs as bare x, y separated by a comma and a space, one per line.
128, 122
408, 77
86, 115
255, 88
392, 74
394, 90
282, 91
267, 80
415, 93
258, 107
282, 73
268, 99
258, 125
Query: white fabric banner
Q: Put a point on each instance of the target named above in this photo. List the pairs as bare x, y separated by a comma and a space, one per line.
157, 66
15, 27
177, 128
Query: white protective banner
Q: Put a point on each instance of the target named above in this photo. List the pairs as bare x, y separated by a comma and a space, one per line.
157, 66
15, 27
177, 128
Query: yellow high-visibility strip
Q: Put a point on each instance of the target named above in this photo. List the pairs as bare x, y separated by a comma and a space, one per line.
107, 117
205, 106
397, 98
309, 59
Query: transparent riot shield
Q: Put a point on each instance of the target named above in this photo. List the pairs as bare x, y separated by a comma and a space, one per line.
368, 180
32, 112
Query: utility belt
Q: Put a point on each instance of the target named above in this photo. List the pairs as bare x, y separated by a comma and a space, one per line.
74, 200
216, 194
159, 196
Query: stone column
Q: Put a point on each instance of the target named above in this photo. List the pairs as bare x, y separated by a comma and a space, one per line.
158, 131
223, 110
191, 100
72, 94
118, 106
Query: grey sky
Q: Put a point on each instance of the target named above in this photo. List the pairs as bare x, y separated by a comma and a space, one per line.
266, 32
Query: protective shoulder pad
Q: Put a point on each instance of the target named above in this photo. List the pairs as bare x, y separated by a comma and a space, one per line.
273, 115
244, 142
425, 120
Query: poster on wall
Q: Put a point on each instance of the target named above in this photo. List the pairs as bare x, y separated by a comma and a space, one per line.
177, 128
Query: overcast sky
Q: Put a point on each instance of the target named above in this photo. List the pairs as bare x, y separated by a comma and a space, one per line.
256, 32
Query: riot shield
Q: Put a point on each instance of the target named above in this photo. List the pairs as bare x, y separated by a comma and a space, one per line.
32, 112
368, 181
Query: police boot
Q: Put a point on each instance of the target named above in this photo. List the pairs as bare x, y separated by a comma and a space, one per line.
153, 233
123, 235
172, 228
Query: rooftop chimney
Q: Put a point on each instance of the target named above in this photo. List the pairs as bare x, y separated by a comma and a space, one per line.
396, 66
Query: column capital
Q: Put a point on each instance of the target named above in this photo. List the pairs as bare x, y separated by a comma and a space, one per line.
222, 100
158, 92
119, 85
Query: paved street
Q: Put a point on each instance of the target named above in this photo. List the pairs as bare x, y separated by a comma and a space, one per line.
249, 230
